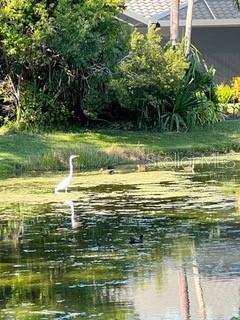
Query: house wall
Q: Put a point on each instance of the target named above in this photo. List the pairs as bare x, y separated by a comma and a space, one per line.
220, 47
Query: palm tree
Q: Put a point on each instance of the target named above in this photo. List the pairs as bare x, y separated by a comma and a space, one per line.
174, 21
188, 27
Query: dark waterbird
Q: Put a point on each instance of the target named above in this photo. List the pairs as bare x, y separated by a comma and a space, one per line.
108, 170
132, 240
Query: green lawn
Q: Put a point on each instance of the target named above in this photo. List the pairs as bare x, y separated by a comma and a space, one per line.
49, 152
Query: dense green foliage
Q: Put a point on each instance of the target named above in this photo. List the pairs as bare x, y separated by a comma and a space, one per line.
164, 89
199, 87
56, 57
71, 62
228, 98
149, 78
226, 93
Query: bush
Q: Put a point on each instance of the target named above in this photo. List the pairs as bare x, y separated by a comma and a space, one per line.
40, 110
236, 88
148, 77
224, 93
162, 88
56, 58
206, 113
196, 100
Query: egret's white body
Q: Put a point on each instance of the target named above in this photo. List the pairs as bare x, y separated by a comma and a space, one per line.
64, 184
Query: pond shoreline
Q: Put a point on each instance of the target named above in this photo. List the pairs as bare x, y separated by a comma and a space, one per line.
49, 152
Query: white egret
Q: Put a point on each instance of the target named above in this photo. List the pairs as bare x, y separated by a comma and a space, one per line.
64, 184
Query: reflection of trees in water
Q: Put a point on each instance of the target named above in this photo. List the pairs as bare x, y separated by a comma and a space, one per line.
11, 230
62, 264
42, 259
12, 226
13, 220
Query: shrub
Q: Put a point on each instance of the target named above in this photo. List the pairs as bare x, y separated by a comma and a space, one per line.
40, 110
236, 88
224, 93
206, 112
162, 88
148, 77
196, 100
65, 51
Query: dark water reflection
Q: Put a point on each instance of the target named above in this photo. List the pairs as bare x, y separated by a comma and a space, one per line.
73, 260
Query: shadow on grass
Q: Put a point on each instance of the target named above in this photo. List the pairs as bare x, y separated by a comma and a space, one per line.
21, 153
15, 149
27, 152
221, 137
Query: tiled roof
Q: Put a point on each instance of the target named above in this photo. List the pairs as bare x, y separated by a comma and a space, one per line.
149, 8
224, 9
157, 10
200, 11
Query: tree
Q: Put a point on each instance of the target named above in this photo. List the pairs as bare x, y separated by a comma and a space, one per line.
188, 27
57, 56
174, 21
174, 24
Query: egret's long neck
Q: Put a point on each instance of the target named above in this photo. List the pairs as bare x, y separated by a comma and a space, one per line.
70, 168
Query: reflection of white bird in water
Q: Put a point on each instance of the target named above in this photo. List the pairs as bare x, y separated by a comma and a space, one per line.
64, 184
74, 223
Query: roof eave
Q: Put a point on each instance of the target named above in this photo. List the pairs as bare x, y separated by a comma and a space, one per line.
137, 20
206, 23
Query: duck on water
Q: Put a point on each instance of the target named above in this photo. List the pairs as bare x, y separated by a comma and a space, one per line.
133, 240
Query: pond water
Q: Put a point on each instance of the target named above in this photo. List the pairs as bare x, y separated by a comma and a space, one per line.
69, 256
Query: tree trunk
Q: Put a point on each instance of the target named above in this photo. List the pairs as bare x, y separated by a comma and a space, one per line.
174, 22
237, 3
188, 27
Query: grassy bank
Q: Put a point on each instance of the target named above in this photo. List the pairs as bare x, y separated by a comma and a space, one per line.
49, 152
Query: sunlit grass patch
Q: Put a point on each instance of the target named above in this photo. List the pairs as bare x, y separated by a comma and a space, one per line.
58, 159
23, 152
